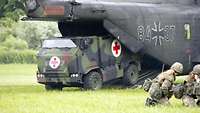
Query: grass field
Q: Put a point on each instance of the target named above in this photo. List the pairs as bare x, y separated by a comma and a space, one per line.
19, 93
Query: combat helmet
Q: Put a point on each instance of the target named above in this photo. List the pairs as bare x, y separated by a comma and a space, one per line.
196, 69
178, 67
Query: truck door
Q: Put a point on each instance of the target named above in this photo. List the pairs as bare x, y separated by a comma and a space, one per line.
108, 61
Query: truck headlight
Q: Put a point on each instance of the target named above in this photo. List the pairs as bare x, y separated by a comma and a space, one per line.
31, 4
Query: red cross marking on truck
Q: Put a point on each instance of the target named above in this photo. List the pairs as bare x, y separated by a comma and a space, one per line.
116, 48
54, 62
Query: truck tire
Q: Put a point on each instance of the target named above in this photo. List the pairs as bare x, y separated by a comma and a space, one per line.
51, 87
131, 74
93, 81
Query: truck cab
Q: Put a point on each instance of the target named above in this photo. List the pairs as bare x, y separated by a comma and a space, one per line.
86, 62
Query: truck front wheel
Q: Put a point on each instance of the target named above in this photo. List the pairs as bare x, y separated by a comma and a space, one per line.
50, 87
93, 81
131, 74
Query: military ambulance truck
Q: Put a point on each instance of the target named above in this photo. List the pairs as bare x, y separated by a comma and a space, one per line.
86, 62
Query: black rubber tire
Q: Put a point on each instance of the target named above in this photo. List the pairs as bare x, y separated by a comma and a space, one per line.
93, 81
51, 87
131, 74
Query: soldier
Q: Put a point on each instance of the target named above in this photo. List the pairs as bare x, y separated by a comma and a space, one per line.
194, 75
192, 84
160, 89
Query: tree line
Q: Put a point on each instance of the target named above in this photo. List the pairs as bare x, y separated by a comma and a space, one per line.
20, 40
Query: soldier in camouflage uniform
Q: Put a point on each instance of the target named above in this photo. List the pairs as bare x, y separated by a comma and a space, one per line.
160, 89
191, 84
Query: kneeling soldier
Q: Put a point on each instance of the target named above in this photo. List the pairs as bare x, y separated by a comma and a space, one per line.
160, 89
191, 96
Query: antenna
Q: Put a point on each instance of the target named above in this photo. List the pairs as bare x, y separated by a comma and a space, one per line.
163, 67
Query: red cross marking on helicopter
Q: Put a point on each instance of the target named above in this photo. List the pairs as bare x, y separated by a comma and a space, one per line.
116, 48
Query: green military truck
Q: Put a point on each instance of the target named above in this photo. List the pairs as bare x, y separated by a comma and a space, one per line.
86, 62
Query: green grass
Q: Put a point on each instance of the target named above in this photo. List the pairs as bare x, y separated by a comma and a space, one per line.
17, 69
30, 97
18, 74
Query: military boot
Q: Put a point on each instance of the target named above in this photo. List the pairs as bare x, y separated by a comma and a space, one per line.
150, 102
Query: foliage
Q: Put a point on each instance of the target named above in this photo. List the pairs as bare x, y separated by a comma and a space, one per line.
14, 43
34, 32
17, 36
16, 56
12, 9
31, 32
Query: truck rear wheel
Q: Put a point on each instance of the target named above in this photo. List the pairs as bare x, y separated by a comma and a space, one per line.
131, 74
50, 87
93, 81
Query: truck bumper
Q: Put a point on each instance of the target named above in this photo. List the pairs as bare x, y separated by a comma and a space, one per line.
64, 80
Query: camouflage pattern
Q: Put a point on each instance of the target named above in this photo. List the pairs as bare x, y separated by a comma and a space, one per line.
155, 92
191, 96
150, 102
194, 76
157, 95
196, 90
91, 54
147, 84
164, 101
188, 101
167, 75
189, 93
179, 90
178, 67
191, 89
190, 78
166, 88
161, 88
196, 69
198, 101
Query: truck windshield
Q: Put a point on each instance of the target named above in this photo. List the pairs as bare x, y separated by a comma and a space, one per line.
58, 43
